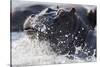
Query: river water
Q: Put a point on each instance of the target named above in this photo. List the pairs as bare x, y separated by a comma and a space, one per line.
27, 51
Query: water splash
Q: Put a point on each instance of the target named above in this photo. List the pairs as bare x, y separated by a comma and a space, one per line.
34, 52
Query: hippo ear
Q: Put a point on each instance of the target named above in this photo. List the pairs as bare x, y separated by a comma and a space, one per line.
73, 10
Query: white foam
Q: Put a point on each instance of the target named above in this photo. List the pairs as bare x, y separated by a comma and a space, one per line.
34, 52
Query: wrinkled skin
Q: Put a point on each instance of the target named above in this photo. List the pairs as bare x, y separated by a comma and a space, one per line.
63, 29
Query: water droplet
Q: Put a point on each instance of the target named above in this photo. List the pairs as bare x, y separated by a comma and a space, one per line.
76, 38
51, 32
82, 28
72, 35
66, 35
61, 41
60, 31
48, 28
78, 31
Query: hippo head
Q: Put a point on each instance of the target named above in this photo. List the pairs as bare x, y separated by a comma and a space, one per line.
50, 21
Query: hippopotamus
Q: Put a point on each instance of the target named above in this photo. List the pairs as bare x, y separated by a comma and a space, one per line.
65, 29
